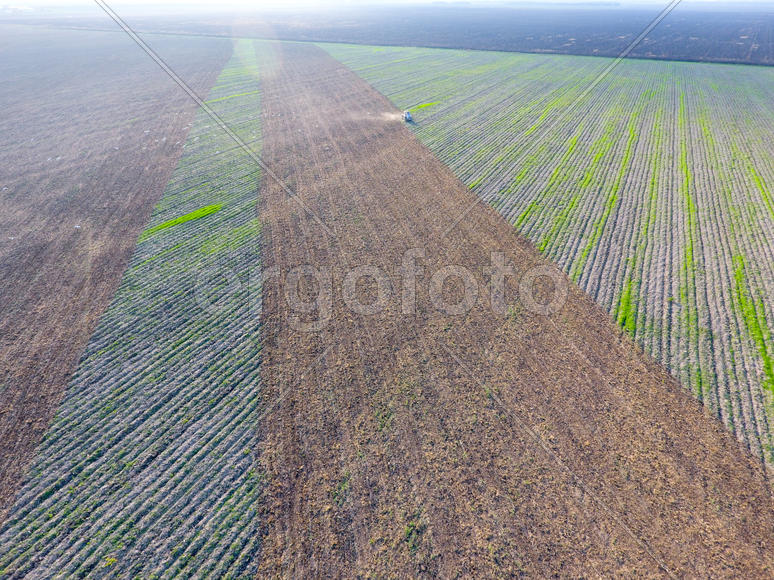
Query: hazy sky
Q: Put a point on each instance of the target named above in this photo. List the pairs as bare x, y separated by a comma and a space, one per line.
199, 6
329, 3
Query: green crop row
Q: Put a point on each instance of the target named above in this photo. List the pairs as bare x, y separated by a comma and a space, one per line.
194, 215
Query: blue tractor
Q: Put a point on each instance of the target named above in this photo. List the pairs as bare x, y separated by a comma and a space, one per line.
407, 117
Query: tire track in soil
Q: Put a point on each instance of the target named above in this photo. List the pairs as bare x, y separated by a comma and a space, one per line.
389, 459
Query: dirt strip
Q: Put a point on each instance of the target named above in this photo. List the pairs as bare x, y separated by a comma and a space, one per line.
423, 443
92, 131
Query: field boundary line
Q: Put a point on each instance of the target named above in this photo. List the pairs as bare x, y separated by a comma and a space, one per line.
209, 111
598, 79
617, 519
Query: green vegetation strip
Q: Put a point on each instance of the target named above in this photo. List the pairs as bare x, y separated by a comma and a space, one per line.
755, 321
194, 215
422, 106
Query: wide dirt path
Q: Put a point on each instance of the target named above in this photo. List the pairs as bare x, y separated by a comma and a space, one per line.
415, 442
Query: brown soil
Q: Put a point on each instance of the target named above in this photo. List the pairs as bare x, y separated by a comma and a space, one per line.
428, 444
92, 130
